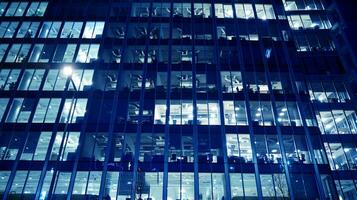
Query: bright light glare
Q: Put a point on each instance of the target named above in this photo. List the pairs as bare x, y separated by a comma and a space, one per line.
67, 70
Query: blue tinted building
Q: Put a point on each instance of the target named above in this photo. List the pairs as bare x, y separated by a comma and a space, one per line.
189, 100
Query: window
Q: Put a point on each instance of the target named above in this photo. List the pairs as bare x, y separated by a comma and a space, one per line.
161, 9
87, 183
71, 29
64, 53
8, 79
262, 113
81, 79
182, 10
140, 10
36, 146
180, 185
93, 30
73, 110
37, 9
288, 114
341, 156
328, 92
244, 11
28, 30
46, 111
11, 144
24, 182
181, 112
296, 149
20, 110
235, 113
306, 21
65, 146
3, 105
16, 9
87, 53
18, 53
208, 113
202, 10
265, 11
55, 80
337, 121
151, 180
134, 112
211, 185
62, 184
3, 6
3, 181
231, 82
50, 29
346, 188
223, 10
42, 53
7, 29
95, 145
31, 79
243, 186
267, 149
3, 48
239, 149
274, 185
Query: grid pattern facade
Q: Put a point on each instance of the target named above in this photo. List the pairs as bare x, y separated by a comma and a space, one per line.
204, 100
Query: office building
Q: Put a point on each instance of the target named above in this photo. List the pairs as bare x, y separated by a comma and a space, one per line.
189, 100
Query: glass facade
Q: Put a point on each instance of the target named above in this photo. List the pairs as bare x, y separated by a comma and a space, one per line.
176, 100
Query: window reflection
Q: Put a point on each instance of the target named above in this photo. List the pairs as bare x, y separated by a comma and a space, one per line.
7, 29
3, 180
71, 29
243, 186
87, 53
87, 183
31, 79
8, 79
65, 146
211, 186
73, 110
20, 110
18, 53
50, 29
36, 146
25, 182
274, 185
93, 30
180, 185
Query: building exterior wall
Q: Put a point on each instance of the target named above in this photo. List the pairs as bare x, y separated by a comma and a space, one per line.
176, 100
